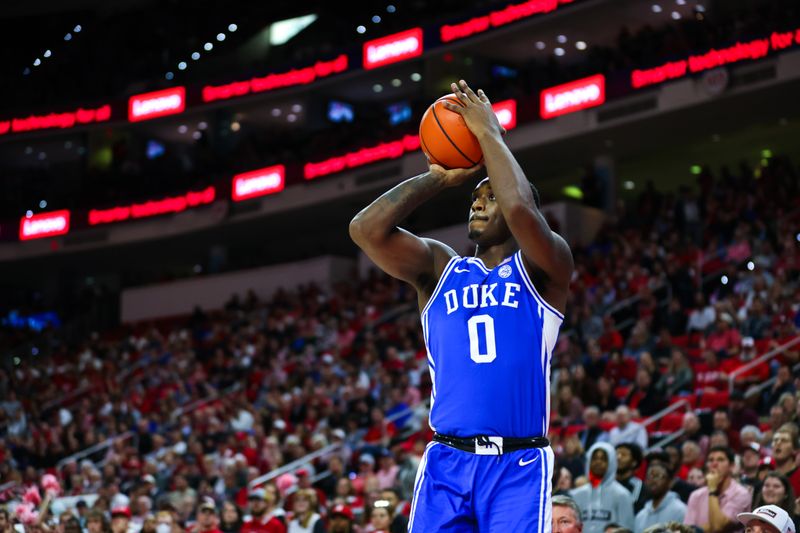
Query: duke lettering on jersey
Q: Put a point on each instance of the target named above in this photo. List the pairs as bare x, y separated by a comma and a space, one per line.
489, 337
469, 296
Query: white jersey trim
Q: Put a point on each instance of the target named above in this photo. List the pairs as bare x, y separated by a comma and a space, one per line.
532, 288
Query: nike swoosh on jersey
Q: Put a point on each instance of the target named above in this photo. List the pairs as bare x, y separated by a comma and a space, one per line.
526, 463
460, 270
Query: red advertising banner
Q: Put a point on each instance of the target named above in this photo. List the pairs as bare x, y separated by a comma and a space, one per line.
500, 17
152, 208
44, 225
506, 112
157, 104
751, 50
260, 182
393, 48
572, 96
303, 76
64, 120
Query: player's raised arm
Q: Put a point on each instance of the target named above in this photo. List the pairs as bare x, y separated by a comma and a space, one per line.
396, 251
545, 251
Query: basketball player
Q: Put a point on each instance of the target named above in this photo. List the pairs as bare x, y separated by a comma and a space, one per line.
490, 323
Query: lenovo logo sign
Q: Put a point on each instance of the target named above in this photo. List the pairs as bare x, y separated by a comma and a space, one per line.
44, 225
157, 104
506, 112
393, 48
573, 96
258, 183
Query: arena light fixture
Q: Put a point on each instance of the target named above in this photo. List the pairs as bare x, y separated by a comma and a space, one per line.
416, 76
232, 27
751, 266
390, 8
540, 45
656, 8
220, 36
561, 39
208, 47
195, 55
559, 51
361, 29
282, 31
580, 45
696, 169
676, 15
376, 19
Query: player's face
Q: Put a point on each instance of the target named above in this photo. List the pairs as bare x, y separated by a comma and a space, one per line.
487, 226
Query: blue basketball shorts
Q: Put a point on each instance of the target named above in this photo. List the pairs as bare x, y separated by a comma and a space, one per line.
461, 492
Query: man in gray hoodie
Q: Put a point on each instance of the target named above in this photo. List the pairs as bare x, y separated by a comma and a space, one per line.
603, 500
664, 506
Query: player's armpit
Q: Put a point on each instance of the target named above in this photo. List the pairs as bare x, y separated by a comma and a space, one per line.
403, 255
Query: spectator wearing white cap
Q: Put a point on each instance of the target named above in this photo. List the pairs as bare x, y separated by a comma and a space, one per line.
776, 490
767, 519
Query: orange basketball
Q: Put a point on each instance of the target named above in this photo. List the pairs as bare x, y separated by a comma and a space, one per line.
445, 138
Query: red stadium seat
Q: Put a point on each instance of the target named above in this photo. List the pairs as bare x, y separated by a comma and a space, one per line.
670, 423
712, 400
691, 398
621, 391
680, 341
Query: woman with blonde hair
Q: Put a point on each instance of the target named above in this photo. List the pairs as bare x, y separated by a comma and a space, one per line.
306, 519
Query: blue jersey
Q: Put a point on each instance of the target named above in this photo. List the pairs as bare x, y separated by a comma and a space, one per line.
490, 337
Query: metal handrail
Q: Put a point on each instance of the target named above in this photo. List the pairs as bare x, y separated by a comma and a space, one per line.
764, 358
666, 440
290, 467
665, 411
63, 399
753, 391
294, 465
94, 448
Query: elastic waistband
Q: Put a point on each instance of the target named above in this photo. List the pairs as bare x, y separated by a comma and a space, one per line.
489, 445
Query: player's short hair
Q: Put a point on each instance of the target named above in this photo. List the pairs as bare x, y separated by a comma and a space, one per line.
565, 501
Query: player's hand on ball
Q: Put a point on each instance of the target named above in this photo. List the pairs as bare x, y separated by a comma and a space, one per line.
477, 110
454, 177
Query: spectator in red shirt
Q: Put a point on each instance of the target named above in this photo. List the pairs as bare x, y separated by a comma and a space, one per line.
265, 515
381, 431
725, 338
611, 339
709, 375
207, 520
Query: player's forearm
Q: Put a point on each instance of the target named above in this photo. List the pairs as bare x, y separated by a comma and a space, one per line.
383, 215
509, 183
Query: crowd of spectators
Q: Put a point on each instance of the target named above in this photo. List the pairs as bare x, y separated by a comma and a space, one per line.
195, 411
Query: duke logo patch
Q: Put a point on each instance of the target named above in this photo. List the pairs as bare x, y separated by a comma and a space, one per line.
505, 271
